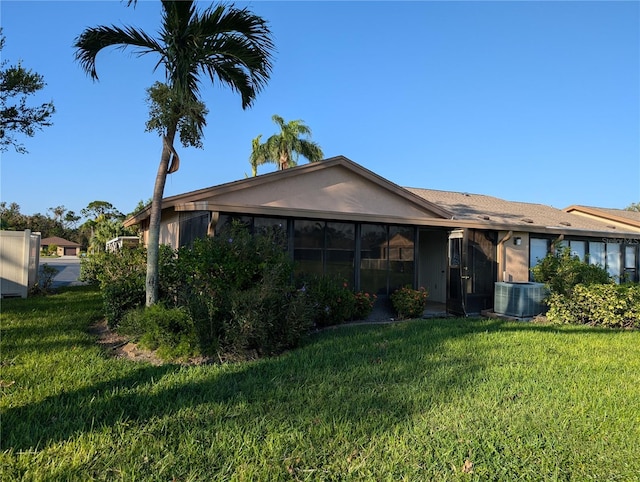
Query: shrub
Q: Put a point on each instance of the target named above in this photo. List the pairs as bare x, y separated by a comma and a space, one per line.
409, 303
330, 299
91, 267
44, 284
610, 305
235, 286
121, 296
561, 271
266, 321
170, 331
121, 276
363, 305
236, 289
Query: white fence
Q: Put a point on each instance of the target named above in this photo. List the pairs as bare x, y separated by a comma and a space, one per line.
19, 260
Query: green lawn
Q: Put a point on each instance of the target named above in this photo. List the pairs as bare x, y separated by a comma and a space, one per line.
408, 401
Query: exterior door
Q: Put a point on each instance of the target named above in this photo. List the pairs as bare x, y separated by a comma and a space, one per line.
472, 271
457, 273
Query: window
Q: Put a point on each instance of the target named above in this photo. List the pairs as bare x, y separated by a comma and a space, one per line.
340, 251
613, 260
401, 256
193, 225
325, 248
274, 227
387, 257
227, 219
308, 247
578, 248
373, 261
630, 264
538, 249
596, 254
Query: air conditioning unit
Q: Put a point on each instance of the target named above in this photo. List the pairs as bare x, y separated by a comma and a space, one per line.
520, 300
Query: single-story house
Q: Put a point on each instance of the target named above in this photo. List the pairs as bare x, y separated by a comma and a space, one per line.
344, 220
64, 247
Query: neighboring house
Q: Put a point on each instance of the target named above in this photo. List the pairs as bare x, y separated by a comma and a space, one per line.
618, 218
64, 247
341, 219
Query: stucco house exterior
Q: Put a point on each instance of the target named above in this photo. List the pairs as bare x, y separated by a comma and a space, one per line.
344, 220
64, 247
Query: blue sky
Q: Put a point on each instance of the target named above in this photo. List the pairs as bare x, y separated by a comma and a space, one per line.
526, 101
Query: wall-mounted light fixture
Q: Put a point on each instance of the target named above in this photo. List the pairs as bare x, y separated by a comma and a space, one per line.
517, 241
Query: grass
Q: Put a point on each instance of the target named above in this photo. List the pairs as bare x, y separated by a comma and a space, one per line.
455, 399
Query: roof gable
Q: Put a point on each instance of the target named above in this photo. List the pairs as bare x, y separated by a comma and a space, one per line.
335, 188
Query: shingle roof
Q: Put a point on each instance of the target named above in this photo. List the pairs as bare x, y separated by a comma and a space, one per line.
620, 215
493, 210
58, 242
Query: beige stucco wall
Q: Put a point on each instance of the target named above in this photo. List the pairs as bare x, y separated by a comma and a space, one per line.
335, 190
169, 228
513, 260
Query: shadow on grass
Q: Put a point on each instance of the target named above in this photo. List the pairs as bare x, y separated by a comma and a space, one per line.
356, 374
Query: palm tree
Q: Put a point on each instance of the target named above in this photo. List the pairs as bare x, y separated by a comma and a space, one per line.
259, 155
223, 43
283, 149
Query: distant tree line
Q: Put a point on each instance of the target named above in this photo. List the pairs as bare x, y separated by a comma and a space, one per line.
102, 222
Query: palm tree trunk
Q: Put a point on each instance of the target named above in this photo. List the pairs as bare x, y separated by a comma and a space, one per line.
284, 162
153, 243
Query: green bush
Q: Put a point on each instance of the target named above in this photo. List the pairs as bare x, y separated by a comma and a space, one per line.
170, 331
237, 288
121, 276
409, 303
120, 296
330, 299
91, 267
364, 303
43, 286
561, 271
610, 305
266, 321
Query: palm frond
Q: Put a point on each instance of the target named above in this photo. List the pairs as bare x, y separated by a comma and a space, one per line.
93, 40
290, 143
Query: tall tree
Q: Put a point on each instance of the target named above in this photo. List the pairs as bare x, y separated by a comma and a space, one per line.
104, 222
100, 209
16, 117
222, 43
259, 155
284, 148
11, 218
